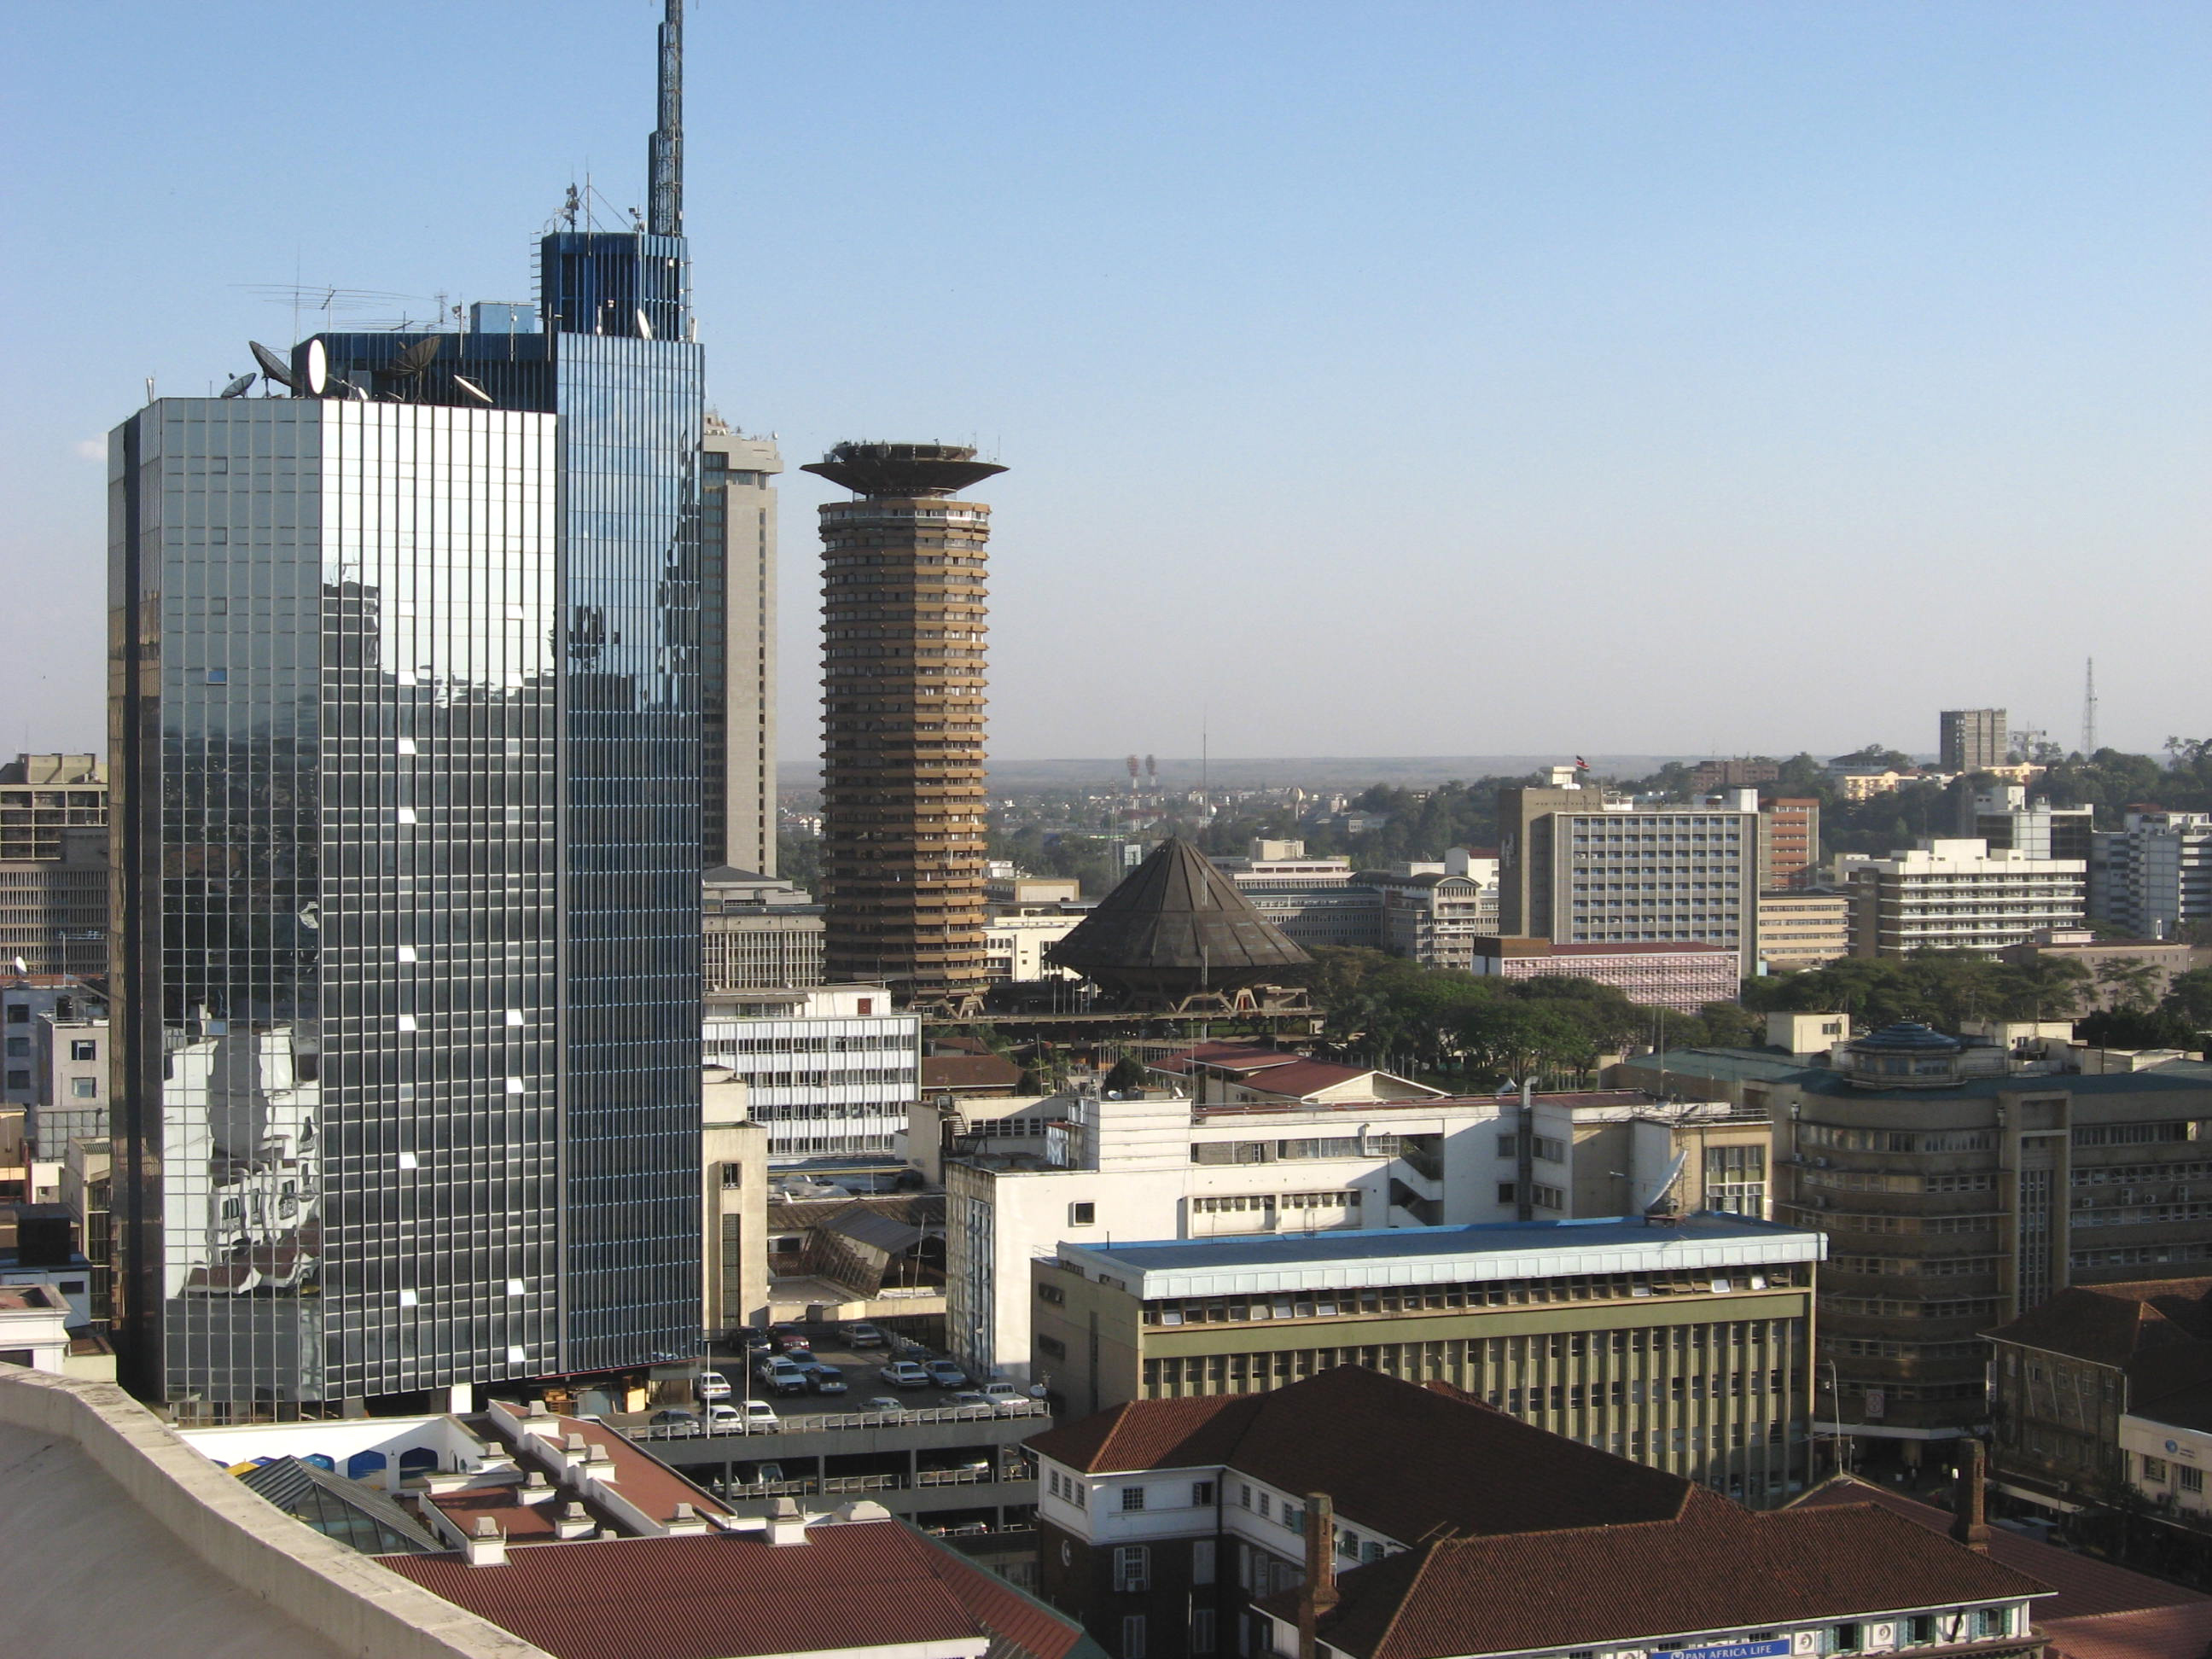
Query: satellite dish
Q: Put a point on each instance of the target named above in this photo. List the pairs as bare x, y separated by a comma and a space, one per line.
273, 368
239, 387
319, 368
1659, 1203
469, 388
416, 358
644, 328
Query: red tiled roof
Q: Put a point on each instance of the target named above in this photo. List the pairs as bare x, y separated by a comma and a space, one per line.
2085, 1586
1306, 1077
856, 1584
1715, 1567
1403, 1458
2178, 1632
1227, 1056
2111, 1324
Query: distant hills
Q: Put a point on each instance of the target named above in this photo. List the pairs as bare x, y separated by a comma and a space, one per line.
1311, 772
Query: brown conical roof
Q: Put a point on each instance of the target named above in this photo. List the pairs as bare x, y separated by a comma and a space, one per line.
1175, 926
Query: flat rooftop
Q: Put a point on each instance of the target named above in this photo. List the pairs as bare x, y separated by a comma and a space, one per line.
1431, 1255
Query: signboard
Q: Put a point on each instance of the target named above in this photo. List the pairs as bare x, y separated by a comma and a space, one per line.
1773, 1648
1877, 1402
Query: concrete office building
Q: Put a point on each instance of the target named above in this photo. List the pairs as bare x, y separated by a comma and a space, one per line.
1799, 929
736, 636
73, 1066
1972, 739
1682, 976
1015, 946
733, 1184
1687, 1345
53, 864
1788, 841
1352, 1157
2002, 817
1961, 895
1434, 913
1310, 900
902, 806
2096, 955
1579, 866
761, 934
2152, 876
28, 1002
406, 725
1960, 1187
828, 1071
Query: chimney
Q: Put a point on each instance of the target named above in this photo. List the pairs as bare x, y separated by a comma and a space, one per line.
686, 1519
786, 1525
535, 1488
574, 1521
488, 1547
1969, 1518
1317, 1594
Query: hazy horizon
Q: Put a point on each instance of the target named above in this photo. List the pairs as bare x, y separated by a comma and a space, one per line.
1699, 379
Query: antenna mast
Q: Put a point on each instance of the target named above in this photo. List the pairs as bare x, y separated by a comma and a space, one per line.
2089, 712
664, 160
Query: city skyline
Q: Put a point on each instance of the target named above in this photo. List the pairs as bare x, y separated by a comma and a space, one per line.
1708, 320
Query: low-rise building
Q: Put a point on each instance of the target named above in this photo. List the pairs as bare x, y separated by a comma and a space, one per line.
72, 1066
1658, 974
1801, 929
1354, 1515
830, 1071
26, 1000
1014, 946
2112, 964
1961, 894
760, 933
1684, 1344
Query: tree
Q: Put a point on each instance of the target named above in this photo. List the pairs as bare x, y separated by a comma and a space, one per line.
2128, 987
2189, 998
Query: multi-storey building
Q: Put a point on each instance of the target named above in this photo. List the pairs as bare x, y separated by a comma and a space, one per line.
73, 1066
1679, 975
737, 638
1354, 1515
1578, 866
1972, 739
733, 1248
1788, 841
1737, 772
406, 725
1961, 895
1434, 914
903, 592
1015, 946
2153, 875
1310, 900
830, 1071
28, 1002
1367, 1152
1960, 1187
1800, 928
1686, 1345
53, 864
2003, 817
761, 934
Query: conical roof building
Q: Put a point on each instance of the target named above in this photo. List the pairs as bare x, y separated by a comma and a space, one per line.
1176, 927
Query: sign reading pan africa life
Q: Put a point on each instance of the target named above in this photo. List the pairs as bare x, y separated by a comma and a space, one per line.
1773, 1648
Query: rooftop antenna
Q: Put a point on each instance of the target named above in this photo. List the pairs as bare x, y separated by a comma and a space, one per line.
2089, 712
664, 156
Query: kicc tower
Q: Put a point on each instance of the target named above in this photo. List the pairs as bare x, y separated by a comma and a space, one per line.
904, 692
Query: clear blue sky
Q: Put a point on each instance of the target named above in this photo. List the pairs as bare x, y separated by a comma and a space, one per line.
1393, 378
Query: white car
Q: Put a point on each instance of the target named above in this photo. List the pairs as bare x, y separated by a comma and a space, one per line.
1005, 1397
722, 1417
713, 1385
756, 1417
904, 1374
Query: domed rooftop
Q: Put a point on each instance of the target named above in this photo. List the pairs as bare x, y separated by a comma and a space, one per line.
1909, 1036
1177, 925
1907, 1054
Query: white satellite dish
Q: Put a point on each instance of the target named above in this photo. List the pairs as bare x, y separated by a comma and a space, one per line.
319, 368
1656, 1203
239, 387
471, 389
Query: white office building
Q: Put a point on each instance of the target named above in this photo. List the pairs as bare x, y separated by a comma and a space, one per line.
2153, 874
831, 1071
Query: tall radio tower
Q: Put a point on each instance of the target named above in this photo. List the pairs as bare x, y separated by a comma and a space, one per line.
2089, 712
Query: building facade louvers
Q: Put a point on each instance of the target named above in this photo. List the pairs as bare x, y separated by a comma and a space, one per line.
903, 690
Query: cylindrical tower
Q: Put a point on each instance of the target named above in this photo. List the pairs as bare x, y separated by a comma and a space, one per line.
903, 592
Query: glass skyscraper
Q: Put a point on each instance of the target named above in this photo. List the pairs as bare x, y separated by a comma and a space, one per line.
407, 729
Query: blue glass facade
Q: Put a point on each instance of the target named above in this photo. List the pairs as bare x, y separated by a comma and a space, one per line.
407, 724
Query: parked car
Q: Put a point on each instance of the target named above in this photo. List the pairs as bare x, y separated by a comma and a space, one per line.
759, 1417
884, 1402
824, 1379
677, 1420
946, 1375
904, 1374
801, 1355
968, 1401
722, 1415
787, 1337
760, 1474
755, 1341
863, 1336
777, 1373
713, 1385
1004, 1396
